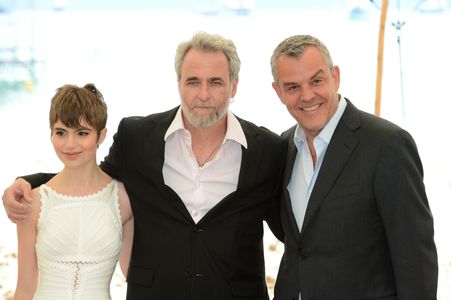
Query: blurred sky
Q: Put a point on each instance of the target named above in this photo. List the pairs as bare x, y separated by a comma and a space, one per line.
183, 5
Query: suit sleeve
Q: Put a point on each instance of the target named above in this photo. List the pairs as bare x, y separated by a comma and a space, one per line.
112, 164
407, 218
38, 179
273, 218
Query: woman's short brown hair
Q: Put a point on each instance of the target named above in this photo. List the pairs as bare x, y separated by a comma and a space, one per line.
71, 105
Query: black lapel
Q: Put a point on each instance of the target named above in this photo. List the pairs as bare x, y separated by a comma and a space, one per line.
154, 131
250, 160
250, 157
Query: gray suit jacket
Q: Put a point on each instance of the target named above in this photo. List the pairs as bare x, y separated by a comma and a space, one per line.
368, 230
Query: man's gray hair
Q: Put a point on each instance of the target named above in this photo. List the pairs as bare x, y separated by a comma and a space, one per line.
295, 46
206, 42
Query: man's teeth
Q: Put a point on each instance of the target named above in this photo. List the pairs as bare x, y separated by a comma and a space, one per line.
311, 108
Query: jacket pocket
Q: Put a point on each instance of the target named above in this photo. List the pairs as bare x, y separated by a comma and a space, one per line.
248, 288
140, 276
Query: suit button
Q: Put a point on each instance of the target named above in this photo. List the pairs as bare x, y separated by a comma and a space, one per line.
188, 273
300, 250
301, 253
197, 229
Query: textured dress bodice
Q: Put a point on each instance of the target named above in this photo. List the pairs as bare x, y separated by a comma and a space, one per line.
78, 244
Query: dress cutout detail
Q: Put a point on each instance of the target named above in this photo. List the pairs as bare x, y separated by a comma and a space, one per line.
78, 244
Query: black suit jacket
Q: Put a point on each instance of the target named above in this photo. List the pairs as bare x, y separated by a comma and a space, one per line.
368, 230
220, 257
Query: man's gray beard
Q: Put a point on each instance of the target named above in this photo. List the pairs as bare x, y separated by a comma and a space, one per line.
202, 123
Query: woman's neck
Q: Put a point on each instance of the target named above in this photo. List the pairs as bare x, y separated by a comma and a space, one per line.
79, 181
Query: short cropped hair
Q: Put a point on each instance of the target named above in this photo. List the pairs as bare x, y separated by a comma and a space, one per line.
206, 42
295, 46
71, 105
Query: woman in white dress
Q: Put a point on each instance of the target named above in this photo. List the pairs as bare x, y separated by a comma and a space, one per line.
82, 222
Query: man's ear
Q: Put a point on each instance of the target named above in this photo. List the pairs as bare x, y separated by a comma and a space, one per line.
279, 92
234, 87
336, 75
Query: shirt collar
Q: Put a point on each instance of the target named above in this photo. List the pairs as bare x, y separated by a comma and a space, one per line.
234, 130
177, 124
328, 130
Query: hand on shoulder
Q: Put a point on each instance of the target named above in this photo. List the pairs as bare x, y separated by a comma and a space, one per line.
17, 200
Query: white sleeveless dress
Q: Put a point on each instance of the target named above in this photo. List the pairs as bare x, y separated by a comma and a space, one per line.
78, 243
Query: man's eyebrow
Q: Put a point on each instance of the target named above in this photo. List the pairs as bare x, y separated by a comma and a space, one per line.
319, 72
289, 83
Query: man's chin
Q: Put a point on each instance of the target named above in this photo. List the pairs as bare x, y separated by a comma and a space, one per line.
203, 122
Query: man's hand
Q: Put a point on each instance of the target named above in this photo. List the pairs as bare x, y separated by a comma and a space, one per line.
17, 200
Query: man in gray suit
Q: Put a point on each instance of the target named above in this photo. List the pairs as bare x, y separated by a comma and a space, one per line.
355, 214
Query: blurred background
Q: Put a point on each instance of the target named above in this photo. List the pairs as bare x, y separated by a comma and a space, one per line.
127, 49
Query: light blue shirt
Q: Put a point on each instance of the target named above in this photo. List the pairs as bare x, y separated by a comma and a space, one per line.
304, 175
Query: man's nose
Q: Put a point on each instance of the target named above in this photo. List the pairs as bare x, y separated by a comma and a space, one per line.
307, 94
204, 93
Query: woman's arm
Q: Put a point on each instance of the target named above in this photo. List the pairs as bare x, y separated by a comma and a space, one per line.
28, 273
127, 229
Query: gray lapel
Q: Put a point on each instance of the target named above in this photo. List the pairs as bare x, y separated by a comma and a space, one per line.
341, 146
291, 156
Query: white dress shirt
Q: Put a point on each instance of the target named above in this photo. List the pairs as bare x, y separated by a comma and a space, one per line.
201, 188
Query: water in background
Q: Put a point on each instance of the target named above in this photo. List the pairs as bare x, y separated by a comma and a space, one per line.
129, 56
